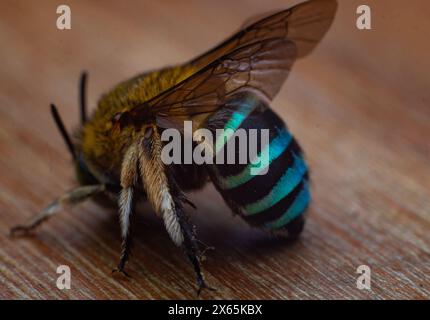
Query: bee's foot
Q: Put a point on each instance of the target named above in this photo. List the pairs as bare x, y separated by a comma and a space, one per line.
20, 230
202, 253
121, 270
202, 285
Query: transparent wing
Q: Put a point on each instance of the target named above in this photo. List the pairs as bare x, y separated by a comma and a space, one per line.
304, 24
257, 58
260, 67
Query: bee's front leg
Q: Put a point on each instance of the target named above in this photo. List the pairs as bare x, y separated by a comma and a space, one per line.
129, 176
72, 197
166, 198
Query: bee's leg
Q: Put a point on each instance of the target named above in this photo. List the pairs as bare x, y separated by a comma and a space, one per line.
72, 197
129, 174
190, 245
126, 210
167, 199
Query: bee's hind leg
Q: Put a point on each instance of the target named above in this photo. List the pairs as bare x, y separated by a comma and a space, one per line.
191, 247
167, 199
72, 197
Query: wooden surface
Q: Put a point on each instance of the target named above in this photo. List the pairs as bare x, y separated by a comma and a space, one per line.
359, 106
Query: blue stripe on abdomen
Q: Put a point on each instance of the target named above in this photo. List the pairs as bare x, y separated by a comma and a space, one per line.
288, 181
271, 152
277, 198
296, 209
237, 118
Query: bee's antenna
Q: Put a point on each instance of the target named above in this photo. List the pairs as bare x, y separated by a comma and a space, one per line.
83, 96
63, 131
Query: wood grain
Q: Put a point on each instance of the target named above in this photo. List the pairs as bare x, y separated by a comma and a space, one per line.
359, 105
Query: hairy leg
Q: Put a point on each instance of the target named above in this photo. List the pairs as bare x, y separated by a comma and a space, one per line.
167, 200
129, 174
72, 197
191, 247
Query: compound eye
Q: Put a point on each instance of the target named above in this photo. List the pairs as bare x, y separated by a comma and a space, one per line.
117, 117
121, 119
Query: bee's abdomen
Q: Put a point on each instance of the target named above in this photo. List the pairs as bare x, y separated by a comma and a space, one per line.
277, 199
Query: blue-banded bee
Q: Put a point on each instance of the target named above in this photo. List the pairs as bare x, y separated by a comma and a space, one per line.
117, 150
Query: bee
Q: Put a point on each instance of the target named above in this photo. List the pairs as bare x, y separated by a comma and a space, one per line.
117, 151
